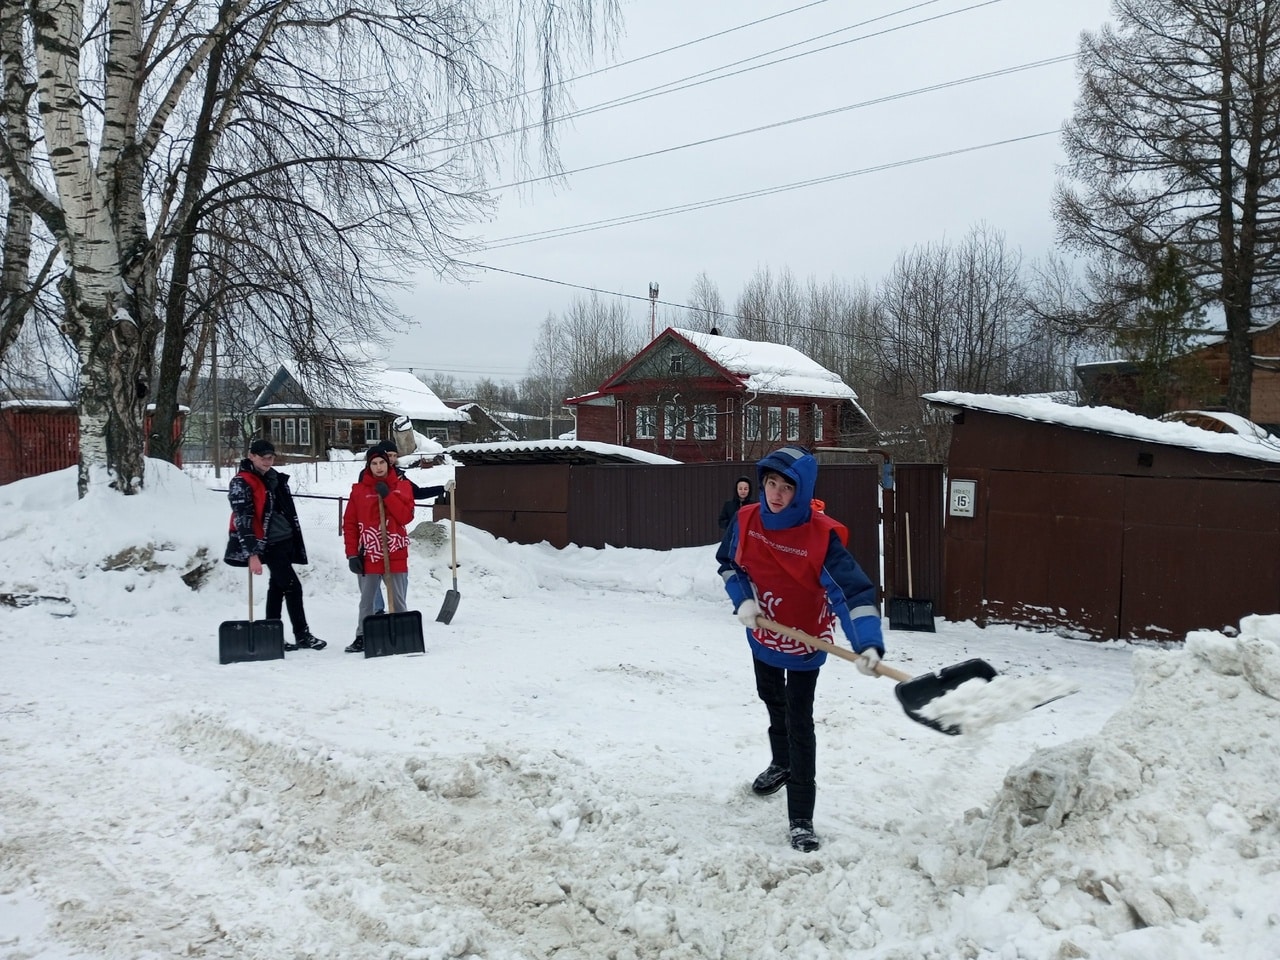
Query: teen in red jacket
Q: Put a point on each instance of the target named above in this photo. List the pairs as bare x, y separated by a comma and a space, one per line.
361, 532
784, 560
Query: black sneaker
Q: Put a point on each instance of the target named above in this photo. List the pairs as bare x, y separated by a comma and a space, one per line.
356, 645
772, 780
289, 647
802, 836
308, 642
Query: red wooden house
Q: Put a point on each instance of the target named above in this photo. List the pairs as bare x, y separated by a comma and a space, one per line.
698, 397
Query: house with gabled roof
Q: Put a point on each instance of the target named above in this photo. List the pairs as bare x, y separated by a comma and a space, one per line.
1117, 383
306, 422
699, 397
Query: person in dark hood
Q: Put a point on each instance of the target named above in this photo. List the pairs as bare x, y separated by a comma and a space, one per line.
786, 560
419, 493
265, 531
741, 497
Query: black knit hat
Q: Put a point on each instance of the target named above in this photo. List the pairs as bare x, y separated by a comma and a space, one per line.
389, 446
261, 447
375, 452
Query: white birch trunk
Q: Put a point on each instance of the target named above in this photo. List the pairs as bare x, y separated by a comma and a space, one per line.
101, 316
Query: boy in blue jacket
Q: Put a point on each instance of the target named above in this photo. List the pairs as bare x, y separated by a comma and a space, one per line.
783, 560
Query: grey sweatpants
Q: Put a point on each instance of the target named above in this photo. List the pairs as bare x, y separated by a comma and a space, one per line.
369, 584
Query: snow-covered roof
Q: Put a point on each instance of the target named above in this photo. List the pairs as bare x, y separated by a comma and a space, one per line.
1119, 423
770, 367
390, 391
552, 451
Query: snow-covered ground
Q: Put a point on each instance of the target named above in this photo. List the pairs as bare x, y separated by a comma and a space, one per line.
564, 773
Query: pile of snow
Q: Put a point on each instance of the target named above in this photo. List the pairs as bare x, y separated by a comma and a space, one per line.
565, 772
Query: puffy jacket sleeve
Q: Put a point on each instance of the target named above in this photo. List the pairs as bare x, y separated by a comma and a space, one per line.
351, 524
852, 596
736, 582
400, 502
242, 509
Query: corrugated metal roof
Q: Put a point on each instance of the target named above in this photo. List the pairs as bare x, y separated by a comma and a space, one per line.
551, 451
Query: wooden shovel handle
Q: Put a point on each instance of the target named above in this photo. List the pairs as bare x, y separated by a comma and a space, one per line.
831, 648
386, 557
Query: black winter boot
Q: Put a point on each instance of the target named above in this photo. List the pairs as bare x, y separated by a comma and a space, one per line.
773, 779
356, 645
802, 836
308, 642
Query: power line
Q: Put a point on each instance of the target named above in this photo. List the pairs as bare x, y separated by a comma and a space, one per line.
568, 231
661, 90
888, 98
648, 56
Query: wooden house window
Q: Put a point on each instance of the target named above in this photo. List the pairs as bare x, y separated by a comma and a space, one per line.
342, 433
793, 423
677, 363
275, 428
290, 432
371, 432
673, 422
304, 432
646, 422
817, 422
704, 421
775, 423
751, 422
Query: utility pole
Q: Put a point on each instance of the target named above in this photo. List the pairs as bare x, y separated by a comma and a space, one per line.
653, 309
217, 420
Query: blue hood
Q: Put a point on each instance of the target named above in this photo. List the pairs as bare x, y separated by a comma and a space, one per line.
800, 467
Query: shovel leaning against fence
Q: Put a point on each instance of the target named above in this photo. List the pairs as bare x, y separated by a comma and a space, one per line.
450, 605
908, 613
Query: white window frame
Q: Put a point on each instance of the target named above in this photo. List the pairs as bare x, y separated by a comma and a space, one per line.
672, 417
290, 432
646, 421
817, 421
793, 424
342, 432
676, 363
304, 432
751, 422
274, 427
704, 421
774, 425
372, 432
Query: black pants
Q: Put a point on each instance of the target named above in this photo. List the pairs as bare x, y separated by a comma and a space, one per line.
788, 696
284, 587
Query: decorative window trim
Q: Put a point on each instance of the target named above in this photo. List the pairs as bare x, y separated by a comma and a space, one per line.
674, 424
817, 421
751, 422
646, 422
774, 425
704, 421
793, 424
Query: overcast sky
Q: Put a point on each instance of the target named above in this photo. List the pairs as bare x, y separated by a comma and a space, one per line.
852, 227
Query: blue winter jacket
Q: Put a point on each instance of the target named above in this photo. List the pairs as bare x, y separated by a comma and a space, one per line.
850, 592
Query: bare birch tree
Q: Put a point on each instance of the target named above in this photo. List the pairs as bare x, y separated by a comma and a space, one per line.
331, 143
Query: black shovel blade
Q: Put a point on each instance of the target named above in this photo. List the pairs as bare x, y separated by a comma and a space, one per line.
449, 607
918, 691
907, 614
386, 634
240, 641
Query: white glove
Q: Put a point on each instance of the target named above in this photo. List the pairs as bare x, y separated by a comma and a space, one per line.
867, 661
449, 485
747, 612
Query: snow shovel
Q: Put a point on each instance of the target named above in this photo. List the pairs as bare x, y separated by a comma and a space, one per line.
912, 692
386, 634
451, 598
240, 641
906, 613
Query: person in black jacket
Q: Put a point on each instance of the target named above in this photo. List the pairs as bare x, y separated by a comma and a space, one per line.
264, 531
741, 497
